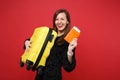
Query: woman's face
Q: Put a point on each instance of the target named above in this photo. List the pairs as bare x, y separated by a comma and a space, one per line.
61, 22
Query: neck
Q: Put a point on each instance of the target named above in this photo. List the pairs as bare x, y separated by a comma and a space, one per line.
60, 33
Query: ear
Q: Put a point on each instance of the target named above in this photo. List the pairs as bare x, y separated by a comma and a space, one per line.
67, 22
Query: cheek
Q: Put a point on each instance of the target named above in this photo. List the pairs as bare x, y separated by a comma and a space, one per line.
56, 22
65, 22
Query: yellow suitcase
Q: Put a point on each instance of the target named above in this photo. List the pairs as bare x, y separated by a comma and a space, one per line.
42, 41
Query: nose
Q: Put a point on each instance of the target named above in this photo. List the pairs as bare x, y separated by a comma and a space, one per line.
59, 21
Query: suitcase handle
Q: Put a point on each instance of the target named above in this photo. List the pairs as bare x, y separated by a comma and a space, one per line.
51, 38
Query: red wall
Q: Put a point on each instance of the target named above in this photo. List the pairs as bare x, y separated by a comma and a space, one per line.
98, 51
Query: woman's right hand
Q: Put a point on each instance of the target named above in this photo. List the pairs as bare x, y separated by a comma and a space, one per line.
27, 45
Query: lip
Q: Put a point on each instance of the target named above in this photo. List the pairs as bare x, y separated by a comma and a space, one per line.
60, 26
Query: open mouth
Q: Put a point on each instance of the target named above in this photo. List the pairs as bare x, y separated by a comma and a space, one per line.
60, 26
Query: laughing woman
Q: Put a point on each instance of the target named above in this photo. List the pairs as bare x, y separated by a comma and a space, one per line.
62, 53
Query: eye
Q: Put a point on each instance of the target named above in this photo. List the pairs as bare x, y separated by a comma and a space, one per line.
62, 18
56, 19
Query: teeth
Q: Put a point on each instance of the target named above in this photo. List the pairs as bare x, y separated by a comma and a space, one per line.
60, 26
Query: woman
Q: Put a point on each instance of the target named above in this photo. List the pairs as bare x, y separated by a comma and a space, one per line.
62, 53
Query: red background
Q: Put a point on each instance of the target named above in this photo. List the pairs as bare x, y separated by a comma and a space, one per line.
98, 51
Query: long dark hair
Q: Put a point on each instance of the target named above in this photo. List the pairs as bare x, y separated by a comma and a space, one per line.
67, 29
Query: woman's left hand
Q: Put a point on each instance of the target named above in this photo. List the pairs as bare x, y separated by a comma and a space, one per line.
72, 45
